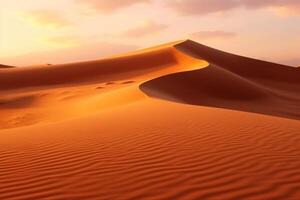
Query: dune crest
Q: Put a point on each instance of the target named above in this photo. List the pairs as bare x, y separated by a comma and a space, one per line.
115, 68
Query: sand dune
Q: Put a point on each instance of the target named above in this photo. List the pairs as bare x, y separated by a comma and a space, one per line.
92, 130
5, 66
232, 82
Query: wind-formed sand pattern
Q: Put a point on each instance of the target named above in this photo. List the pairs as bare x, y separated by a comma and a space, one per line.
176, 121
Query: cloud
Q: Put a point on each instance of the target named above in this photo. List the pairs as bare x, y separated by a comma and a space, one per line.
208, 35
49, 18
200, 7
144, 29
286, 11
62, 41
203, 7
111, 5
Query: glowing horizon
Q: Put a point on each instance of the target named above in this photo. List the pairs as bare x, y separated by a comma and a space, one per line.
39, 32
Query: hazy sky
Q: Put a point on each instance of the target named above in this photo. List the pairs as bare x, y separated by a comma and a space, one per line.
43, 31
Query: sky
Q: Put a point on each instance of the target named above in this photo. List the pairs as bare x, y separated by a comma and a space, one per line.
36, 32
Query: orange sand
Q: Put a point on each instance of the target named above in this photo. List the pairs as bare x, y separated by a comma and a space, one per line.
91, 130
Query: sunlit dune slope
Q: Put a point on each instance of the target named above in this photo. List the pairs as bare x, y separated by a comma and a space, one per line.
233, 82
33, 94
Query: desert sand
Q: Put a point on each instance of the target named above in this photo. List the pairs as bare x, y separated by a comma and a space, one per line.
176, 121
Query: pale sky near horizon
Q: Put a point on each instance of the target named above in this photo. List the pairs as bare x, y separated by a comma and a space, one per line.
39, 31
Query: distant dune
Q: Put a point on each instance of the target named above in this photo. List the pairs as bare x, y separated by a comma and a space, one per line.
5, 66
175, 121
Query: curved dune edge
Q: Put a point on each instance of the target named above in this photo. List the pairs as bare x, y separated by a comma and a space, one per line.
231, 82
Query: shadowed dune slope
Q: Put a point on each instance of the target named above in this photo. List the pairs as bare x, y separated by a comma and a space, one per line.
232, 82
240, 65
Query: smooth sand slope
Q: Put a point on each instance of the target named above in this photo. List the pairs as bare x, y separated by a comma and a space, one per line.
91, 130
